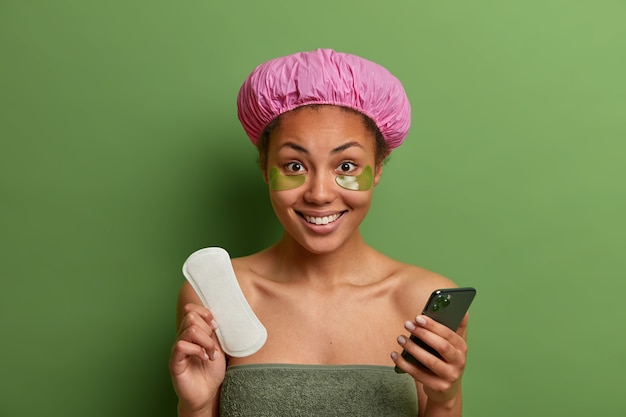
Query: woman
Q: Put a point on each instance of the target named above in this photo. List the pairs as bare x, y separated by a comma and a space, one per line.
337, 312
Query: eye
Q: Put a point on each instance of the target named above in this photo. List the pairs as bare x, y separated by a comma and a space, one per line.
346, 167
294, 167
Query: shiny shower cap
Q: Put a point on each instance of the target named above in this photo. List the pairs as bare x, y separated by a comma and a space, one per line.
324, 77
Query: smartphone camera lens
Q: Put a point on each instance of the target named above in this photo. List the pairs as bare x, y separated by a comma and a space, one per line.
446, 301
441, 302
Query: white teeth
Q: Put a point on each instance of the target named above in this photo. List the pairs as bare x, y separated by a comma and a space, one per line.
322, 220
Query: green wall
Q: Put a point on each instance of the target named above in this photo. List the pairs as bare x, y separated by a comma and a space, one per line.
121, 154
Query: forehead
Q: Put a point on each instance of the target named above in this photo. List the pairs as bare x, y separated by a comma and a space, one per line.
322, 128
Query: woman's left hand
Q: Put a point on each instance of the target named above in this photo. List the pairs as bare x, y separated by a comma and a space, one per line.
442, 380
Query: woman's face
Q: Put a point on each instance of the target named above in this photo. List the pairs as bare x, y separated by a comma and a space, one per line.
308, 151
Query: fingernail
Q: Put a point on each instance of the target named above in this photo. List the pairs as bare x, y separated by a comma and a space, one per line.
420, 320
394, 355
409, 325
401, 340
214, 324
205, 354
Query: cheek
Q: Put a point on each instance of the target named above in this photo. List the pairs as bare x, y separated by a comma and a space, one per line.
280, 182
357, 199
361, 182
282, 199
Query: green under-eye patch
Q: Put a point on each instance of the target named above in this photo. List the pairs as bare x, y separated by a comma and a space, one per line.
280, 182
361, 182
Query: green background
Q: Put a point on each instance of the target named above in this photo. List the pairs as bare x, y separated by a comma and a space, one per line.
121, 154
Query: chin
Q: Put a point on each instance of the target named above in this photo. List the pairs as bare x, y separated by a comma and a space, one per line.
322, 245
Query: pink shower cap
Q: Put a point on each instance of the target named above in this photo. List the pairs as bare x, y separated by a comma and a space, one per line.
324, 77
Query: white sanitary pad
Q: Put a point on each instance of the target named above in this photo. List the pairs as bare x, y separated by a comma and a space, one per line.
210, 273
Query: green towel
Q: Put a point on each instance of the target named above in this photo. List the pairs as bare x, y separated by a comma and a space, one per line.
274, 390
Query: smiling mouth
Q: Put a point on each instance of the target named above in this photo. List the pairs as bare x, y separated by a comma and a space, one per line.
321, 220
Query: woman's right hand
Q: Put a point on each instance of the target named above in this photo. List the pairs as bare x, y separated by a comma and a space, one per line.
197, 363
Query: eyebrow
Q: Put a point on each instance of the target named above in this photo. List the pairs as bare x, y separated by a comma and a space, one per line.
335, 151
345, 146
294, 146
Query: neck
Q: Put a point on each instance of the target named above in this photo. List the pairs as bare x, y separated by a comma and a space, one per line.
346, 264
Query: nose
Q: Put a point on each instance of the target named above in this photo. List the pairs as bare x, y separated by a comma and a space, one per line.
320, 189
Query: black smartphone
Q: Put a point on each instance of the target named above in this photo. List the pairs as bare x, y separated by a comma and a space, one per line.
446, 306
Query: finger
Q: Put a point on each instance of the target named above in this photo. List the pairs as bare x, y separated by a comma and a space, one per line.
198, 335
195, 319
432, 370
197, 315
421, 352
433, 327
429, 380
182, 351
408, 367
423, 375
449, 346
427, 368
202, 312
200, 319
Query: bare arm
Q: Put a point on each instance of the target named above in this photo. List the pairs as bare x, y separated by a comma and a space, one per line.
197, 363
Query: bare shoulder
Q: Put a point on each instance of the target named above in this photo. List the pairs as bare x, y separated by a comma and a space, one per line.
413, 275
186, 295
250, 267
414, 284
